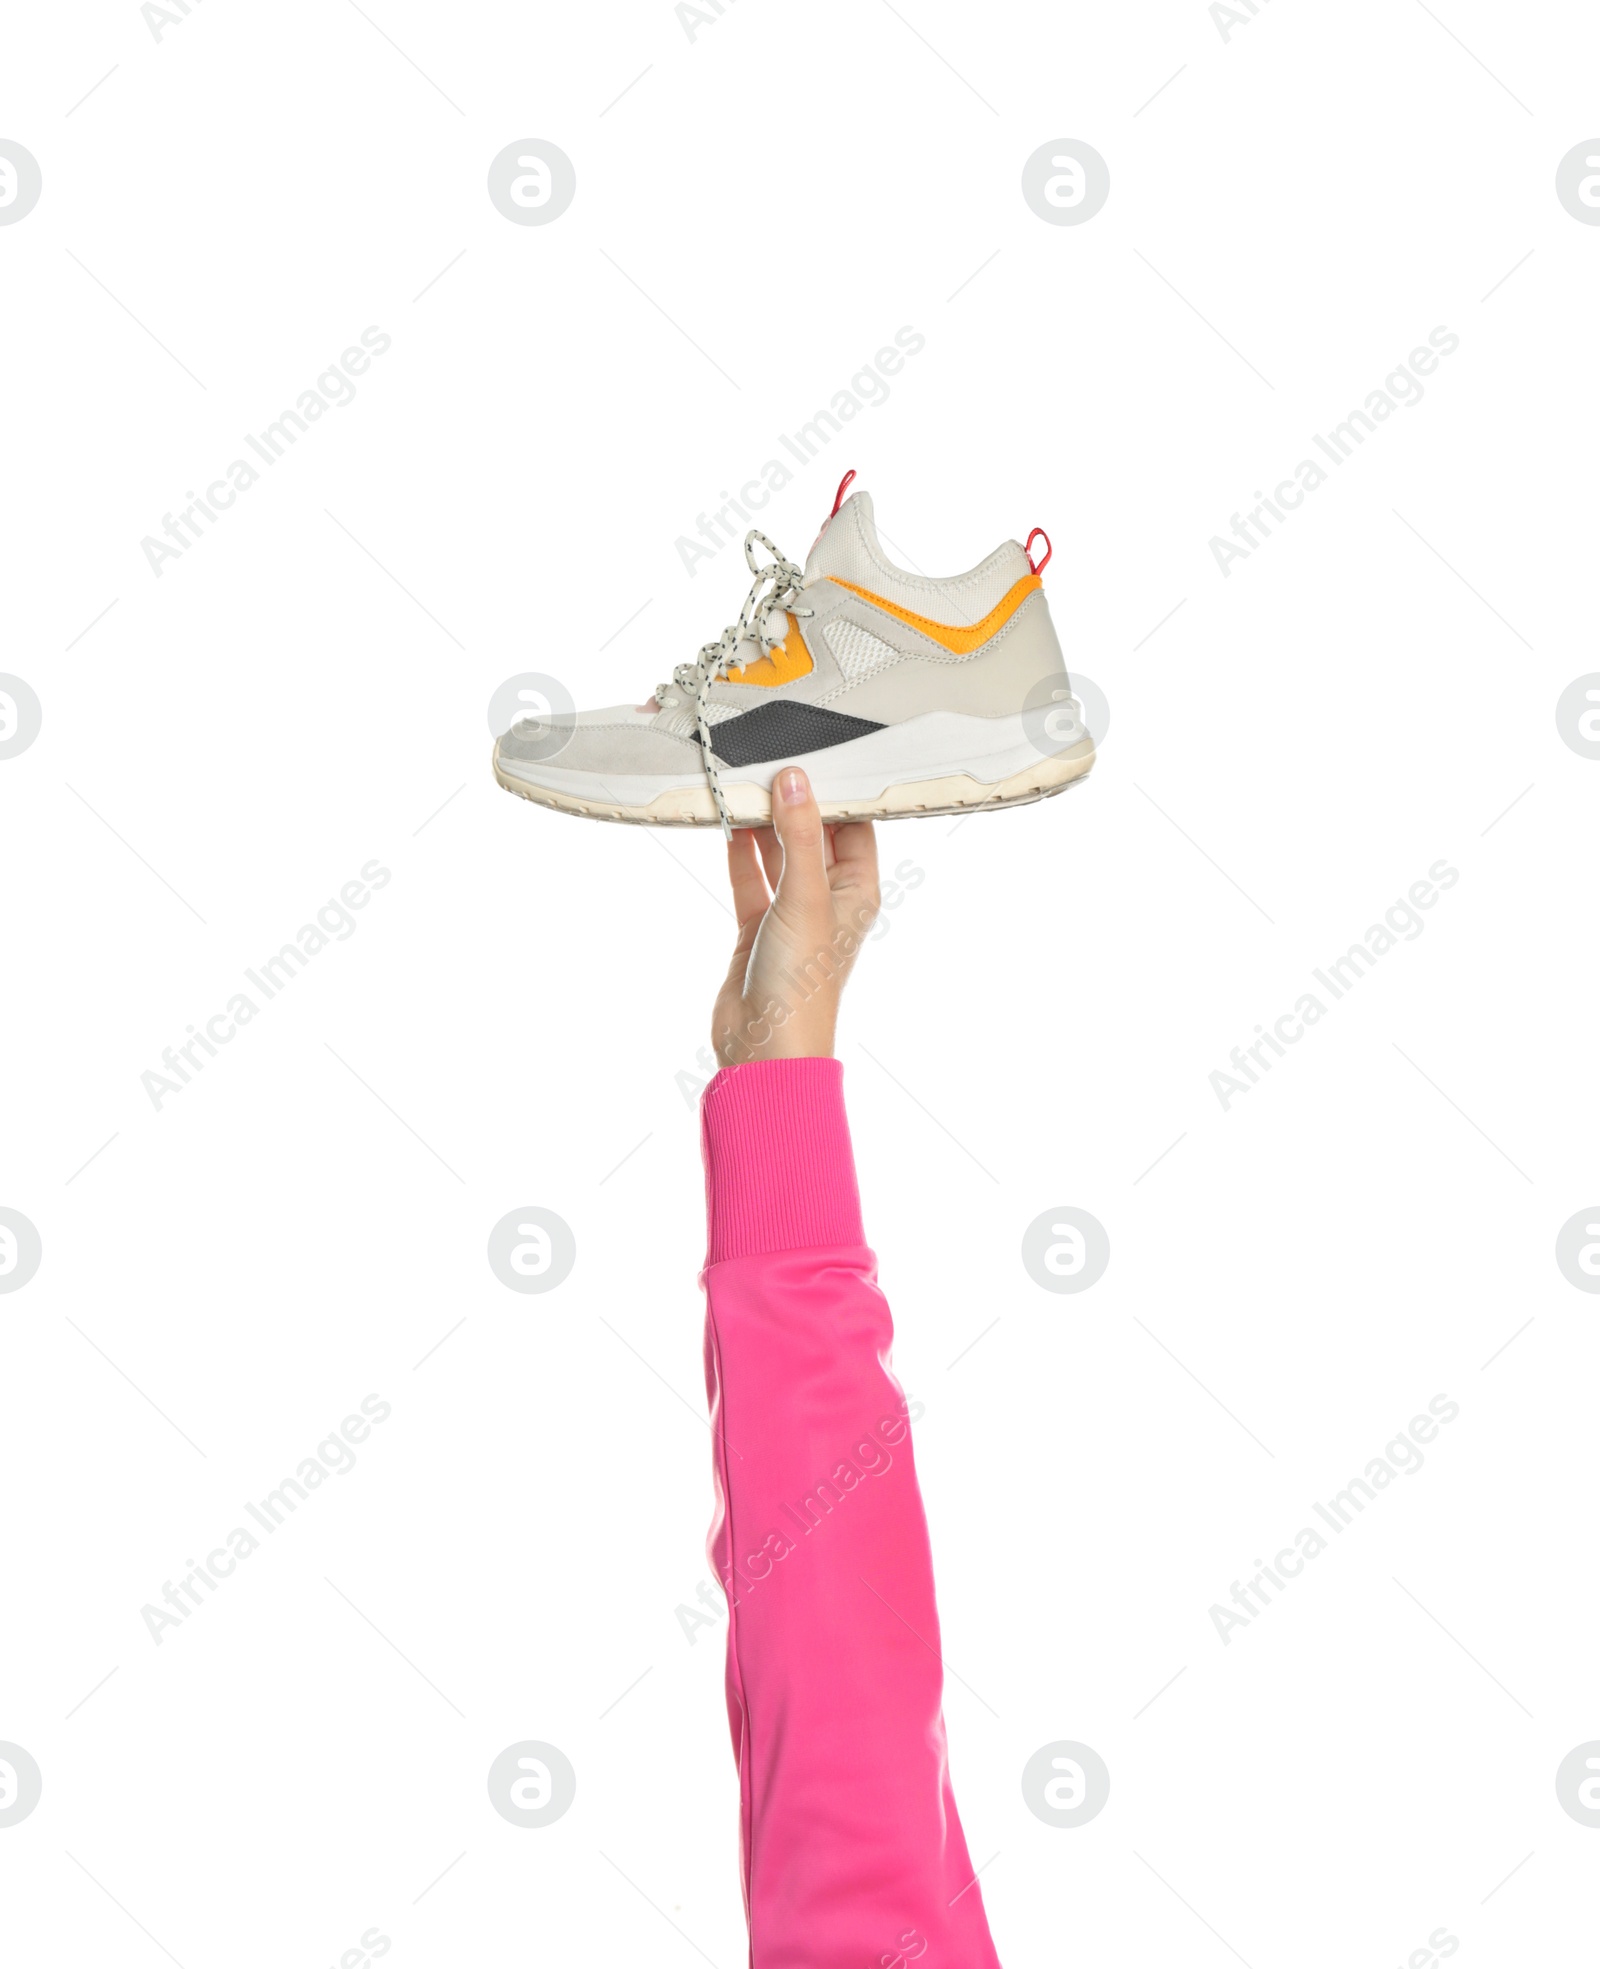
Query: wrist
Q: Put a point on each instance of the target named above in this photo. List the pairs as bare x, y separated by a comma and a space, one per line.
735, 1050
804, 1035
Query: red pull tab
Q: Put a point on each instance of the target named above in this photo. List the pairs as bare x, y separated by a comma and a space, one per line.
838, 497
1038, 533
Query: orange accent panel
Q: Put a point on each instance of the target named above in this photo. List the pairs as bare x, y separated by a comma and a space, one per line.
789, 660
959, 641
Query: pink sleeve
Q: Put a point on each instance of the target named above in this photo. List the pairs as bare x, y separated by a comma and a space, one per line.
853, 1853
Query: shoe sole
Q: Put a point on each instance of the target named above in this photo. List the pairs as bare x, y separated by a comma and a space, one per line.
751, 805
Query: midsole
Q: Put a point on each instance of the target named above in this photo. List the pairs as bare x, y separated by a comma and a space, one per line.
988, 750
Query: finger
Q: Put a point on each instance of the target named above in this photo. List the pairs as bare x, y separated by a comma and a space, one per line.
771, 853
855, 854
749, 884
798, 822
854, 875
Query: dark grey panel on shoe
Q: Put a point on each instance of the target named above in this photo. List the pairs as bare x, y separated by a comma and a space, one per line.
783, 731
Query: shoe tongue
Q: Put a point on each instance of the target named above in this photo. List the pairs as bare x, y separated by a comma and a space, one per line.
837, 548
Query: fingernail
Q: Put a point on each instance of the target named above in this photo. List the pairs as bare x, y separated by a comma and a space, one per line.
791, 787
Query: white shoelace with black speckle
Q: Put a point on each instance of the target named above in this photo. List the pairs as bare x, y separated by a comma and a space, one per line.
761, 621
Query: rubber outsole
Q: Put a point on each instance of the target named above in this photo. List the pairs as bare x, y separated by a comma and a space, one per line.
751, 806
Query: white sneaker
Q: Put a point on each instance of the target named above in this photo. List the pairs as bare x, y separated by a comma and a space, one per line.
897, 693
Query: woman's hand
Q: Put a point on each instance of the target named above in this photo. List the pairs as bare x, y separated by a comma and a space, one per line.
797, 938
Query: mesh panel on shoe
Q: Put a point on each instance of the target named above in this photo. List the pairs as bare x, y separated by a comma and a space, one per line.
858, 652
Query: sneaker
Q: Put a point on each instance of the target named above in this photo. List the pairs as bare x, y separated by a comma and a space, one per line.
897, 693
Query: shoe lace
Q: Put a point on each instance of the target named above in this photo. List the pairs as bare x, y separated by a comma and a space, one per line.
772, 596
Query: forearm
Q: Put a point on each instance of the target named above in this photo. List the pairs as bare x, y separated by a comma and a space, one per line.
851, 1837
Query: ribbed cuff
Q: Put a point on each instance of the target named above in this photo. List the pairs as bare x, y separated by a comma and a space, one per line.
780, 1174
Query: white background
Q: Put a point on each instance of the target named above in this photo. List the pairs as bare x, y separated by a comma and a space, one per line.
306, 690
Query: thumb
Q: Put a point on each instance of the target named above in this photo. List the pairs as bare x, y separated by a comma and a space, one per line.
797, 821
